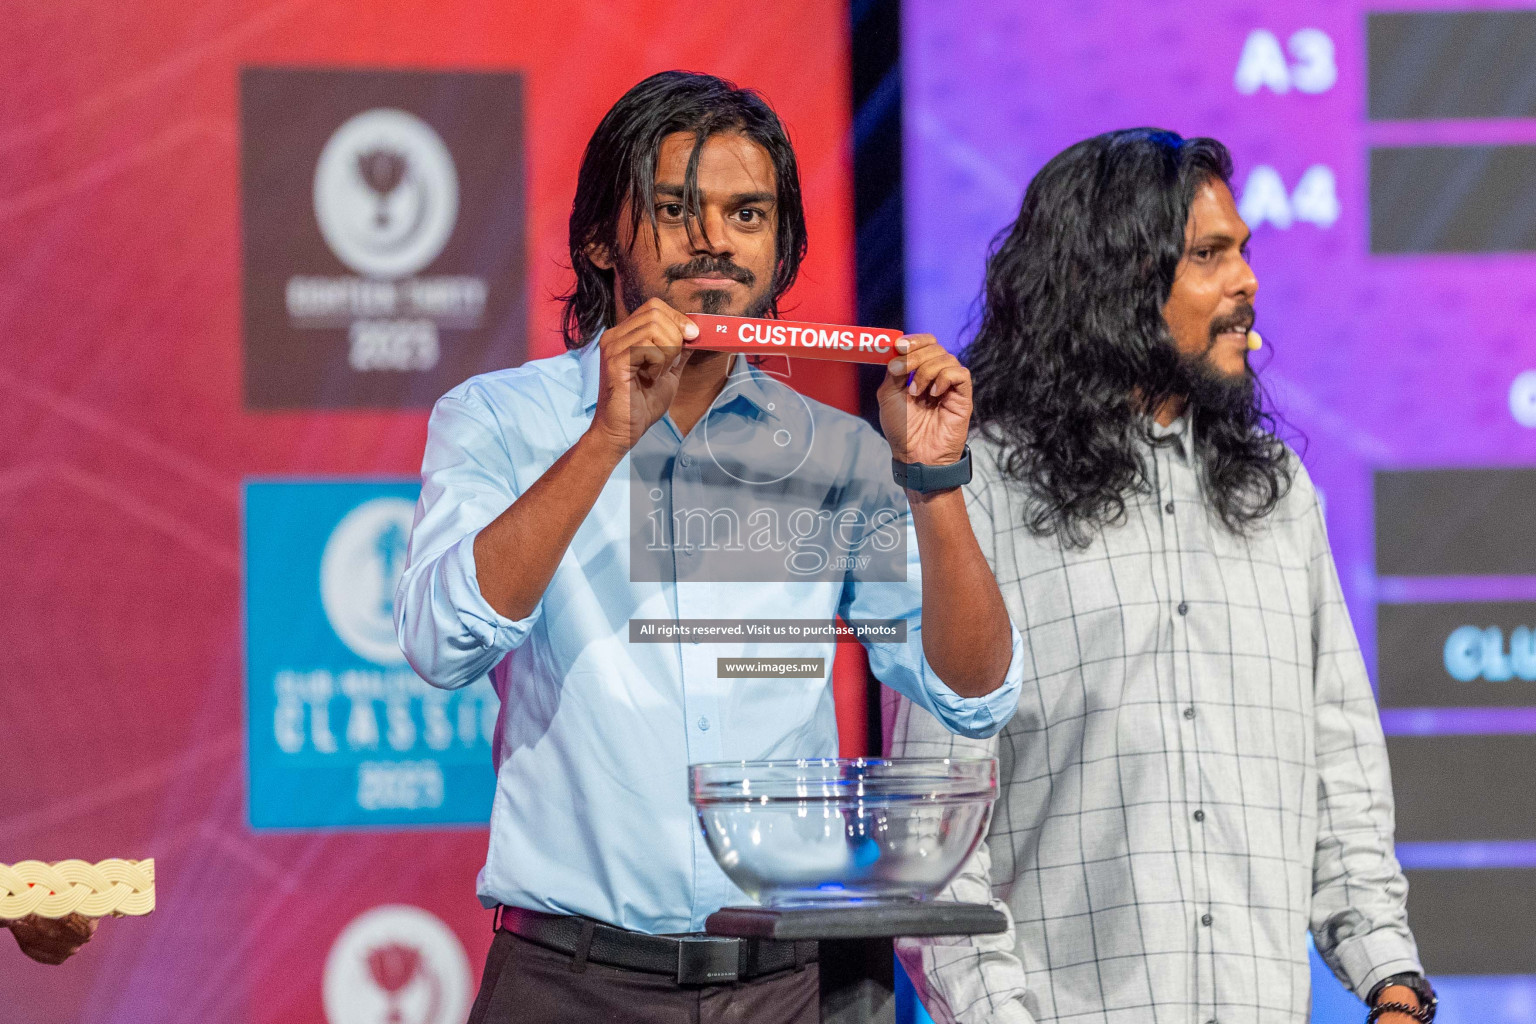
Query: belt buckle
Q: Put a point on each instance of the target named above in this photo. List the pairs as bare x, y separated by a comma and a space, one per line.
708, 961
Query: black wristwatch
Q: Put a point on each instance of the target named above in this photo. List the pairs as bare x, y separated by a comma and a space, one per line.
1421, 988
925, 478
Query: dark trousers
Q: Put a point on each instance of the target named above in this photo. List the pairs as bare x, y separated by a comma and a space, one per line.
525, 983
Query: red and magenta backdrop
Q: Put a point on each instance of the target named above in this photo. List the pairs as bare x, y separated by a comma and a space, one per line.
124, 439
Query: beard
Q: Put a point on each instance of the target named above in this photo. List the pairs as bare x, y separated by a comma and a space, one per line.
1212, 392
1244, 467
714, 302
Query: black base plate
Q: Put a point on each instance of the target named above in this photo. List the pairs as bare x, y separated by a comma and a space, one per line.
856, 921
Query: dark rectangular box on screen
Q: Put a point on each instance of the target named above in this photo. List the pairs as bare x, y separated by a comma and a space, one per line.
1453, 199
1456, 655
1456, 522
1474, 921
382, 221
1464, 788
1427, 65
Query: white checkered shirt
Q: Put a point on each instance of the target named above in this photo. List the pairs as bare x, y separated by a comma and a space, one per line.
1195, 776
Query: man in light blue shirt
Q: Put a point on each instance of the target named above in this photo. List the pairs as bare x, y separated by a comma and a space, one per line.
568, 501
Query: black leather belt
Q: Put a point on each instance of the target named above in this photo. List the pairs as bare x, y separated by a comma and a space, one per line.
691, 959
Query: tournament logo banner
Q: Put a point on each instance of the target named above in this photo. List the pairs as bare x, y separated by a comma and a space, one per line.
340, 731
383, 221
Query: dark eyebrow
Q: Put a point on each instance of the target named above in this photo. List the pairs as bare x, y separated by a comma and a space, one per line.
738, 199
1222, 239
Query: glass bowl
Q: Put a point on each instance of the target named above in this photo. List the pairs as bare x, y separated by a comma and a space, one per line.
839, 829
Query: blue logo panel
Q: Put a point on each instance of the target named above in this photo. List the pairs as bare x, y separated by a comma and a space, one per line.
340, 731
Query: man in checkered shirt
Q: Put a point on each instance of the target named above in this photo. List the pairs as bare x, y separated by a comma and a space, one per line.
1196, 775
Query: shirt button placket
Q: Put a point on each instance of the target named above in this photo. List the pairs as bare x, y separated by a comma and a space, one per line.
686, 492
680, 499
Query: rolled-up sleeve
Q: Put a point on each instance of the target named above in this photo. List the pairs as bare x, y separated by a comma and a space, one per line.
450, 634
904, 667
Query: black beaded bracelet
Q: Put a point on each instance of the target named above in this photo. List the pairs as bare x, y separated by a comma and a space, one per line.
1423, 1016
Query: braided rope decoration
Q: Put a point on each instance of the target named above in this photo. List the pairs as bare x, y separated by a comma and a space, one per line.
110, 887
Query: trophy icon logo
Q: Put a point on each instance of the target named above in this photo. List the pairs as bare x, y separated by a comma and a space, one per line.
396, 964
382, 170
359, 569
386, 193
394, 967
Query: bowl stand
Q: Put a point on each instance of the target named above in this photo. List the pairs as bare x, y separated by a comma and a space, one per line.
857, 954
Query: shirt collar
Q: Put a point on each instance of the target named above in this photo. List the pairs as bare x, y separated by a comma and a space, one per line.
591, 362
1180, 429
748, 383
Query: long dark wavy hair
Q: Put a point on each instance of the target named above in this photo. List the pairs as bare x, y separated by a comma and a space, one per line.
619, 167
1072, 353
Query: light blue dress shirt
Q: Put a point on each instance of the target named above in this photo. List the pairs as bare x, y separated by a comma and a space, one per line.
591, 813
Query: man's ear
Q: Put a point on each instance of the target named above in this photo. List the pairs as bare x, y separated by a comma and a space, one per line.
600, 255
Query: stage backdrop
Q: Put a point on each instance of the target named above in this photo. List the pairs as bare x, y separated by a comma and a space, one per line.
1387, 165
246, 245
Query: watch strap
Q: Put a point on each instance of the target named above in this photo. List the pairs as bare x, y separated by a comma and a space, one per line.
1421, 987
925, 478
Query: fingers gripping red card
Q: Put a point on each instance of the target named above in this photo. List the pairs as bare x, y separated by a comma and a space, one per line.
790, 338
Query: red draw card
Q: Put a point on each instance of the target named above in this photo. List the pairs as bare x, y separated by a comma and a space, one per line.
790, 338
